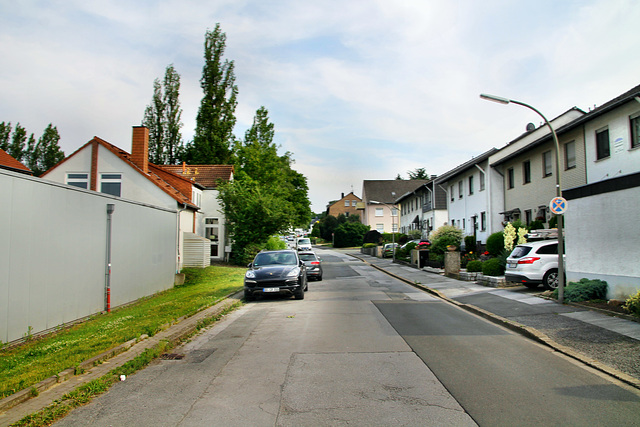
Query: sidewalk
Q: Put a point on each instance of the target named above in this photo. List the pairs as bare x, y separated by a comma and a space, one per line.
609, 344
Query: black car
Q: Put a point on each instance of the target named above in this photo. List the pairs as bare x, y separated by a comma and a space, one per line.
276, 272
314, 265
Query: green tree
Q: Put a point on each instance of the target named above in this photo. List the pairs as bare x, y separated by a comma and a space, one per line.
5, 133
216, 117
418, 173
327, 227
16, 148
163, 119
47, 152
349, 234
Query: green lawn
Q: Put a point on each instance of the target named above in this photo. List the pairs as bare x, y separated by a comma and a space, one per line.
27, 364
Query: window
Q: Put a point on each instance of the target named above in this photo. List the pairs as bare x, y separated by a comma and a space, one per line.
635, 132
211, 232
80, 180
483, 221
510, 178
471, 185
527, 217
394, 228
460, 190
451, 193
380, 228
546, 164
196, 197
347, 203
526, 172
111, 183
602, 144
481, 181
379, 212
354, 203
570, 155
464, 223
394, 212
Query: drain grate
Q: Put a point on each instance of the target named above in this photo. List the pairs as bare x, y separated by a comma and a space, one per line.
172, 356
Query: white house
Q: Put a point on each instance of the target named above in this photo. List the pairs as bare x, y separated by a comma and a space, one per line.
380, 211
424, 208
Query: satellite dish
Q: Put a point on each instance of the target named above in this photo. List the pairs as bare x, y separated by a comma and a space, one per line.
530, 127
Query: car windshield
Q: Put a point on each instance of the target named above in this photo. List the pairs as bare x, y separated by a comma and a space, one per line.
307, 257
284, 258
304, 241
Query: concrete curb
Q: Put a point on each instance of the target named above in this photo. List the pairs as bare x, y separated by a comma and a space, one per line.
174, 333
526, 331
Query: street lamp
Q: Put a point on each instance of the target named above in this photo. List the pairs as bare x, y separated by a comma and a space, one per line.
502, 100
393, 233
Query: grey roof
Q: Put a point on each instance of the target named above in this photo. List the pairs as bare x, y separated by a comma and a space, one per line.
459, 169
380, 190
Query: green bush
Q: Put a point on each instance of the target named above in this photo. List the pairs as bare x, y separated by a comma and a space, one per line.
553, 222
369, 245
492, 267
445, 236
584, 290
474, 266
275, 243
536, 225
495, 243
632, 304
470, 243
349, 234
404, 253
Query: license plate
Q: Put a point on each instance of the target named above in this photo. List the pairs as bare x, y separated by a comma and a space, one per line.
271, 290
512, 265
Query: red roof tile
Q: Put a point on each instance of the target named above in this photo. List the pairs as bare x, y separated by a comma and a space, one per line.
206, 175
10, 163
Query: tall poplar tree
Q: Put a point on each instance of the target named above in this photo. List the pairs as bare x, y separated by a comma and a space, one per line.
216, 116
48, 152
5, 133
163, 118
17, 145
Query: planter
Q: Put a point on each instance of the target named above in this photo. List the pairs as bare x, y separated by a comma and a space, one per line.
451, 248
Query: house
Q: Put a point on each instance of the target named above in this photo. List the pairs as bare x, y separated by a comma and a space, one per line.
347, 206
209, 221
8, 162
379, 202
424, 208
469, 199
101, 166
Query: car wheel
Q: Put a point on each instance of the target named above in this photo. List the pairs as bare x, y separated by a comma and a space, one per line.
319, 278
550, 279
299, 294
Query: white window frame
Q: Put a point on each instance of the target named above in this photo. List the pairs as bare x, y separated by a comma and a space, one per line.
75, 178
110, 178
380, 228
379, 212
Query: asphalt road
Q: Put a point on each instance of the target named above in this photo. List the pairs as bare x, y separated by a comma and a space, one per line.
361, 349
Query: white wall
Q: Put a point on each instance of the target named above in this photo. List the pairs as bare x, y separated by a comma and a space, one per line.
53, 253
602, 235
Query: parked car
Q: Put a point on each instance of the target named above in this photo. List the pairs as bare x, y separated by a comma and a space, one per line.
534, 263
276, 272
387, 249
303, 244
313, 263
417, 242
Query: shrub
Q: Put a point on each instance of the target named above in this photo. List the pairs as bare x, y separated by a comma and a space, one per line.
536, 225
275, 243
414, 234
495, 243
349, 234
373, 236
474, 266
369, 245
492, 267
445, 236
584, 290
553, 222
404, 253
632, 304
470, 243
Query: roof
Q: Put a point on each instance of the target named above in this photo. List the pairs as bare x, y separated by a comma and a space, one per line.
208, 176
176, 186
466, 165
415, 191
381, 190
8, 162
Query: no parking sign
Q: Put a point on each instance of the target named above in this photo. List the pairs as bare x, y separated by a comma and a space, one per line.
558, 205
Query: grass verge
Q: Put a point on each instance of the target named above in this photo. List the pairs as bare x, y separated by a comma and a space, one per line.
27, 364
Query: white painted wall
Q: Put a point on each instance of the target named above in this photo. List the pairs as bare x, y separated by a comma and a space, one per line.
602, 234
53, 253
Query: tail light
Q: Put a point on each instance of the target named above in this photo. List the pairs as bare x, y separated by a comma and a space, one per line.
315, 262
528, 260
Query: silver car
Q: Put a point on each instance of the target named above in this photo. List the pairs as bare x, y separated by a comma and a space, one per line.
534, 263
313, 263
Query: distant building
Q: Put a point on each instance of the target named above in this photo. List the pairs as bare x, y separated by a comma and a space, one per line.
346, 206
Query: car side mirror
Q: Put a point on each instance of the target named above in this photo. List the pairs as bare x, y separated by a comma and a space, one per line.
249, 265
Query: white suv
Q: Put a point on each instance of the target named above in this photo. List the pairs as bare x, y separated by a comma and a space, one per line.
534, 263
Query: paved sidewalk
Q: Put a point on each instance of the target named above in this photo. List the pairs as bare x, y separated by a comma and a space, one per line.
610, 344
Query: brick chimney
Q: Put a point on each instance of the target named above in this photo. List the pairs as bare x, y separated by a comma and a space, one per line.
140, 148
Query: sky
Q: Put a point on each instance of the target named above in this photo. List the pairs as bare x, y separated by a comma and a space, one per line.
356, 89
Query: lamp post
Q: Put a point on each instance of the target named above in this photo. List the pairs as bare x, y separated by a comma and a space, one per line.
502, 100
393, 234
